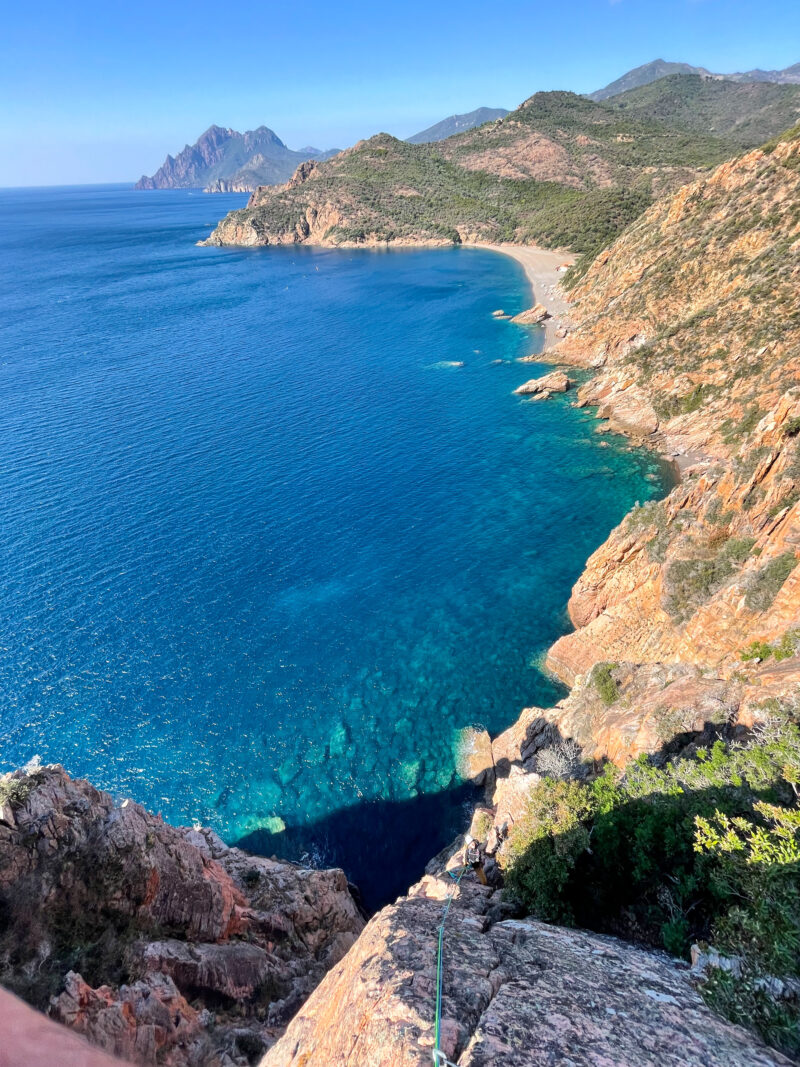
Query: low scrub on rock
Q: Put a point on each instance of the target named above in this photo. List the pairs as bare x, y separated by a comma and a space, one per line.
704, 847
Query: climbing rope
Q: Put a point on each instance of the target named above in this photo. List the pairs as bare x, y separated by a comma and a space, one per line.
439, 1058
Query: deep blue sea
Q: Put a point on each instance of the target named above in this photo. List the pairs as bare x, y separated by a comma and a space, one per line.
264, 550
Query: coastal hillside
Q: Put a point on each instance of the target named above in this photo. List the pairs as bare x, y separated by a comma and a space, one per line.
701, 354
660, 68
563, 137
748, 113
658, 801
560, 170
457, 124
224, 160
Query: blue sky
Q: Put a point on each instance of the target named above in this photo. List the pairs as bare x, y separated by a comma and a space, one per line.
101, 91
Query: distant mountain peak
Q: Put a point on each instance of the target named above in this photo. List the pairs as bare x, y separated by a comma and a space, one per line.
440, 131
662, 68
222, 159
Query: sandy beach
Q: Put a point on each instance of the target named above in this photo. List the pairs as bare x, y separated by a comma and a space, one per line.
541, 266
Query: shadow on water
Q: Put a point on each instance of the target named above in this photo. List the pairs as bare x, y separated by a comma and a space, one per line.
382, 845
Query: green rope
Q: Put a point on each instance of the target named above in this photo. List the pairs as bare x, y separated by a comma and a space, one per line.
437, 1054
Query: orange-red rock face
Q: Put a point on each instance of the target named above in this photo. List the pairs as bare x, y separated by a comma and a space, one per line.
516, 992
689, 318
160, 916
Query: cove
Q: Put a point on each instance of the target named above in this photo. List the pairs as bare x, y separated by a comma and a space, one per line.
264, 549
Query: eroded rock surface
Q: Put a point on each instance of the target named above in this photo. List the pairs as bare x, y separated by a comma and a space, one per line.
687, 319
554, 382
162, 945
516, 992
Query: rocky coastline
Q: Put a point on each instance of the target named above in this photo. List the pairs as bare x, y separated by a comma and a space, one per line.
677, 652
691, 608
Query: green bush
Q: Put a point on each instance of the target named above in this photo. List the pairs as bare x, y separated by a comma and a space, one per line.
605, 683
546, 844
754, 869
783, 649
706, 847
767, 583
756, 650
690, 583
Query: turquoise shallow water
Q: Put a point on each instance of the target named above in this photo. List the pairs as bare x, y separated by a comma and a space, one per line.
263, 552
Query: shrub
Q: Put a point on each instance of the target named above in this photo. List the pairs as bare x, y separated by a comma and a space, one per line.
561, 759
756, 650
545, 847
768, 582
783, 649
605, 683
701, 847
692, 582
15, 789
754, 868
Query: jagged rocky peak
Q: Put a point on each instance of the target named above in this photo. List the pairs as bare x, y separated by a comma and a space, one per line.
224, 160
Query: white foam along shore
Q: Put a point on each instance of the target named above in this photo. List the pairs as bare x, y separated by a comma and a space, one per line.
541, 267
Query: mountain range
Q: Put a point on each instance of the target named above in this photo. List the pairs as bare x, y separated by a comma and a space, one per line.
560, 170
440, 131
660, 68
224, 160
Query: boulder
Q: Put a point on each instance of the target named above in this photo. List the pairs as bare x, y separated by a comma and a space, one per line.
554, 382
533, 316
177, 913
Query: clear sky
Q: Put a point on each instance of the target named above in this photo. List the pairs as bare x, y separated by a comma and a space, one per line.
101, 90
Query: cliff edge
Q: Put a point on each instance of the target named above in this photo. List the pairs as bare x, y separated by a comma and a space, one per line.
158, 944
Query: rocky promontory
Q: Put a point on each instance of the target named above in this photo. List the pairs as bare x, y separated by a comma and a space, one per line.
158, 944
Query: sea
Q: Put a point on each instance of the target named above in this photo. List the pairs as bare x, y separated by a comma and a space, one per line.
274, 528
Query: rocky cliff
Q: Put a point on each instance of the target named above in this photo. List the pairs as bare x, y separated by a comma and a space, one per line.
516, 992
691, 321
160, 945
224, 160
687, 629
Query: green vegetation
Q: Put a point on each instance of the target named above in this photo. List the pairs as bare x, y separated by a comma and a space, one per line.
15, 791
700, 848
588, 131
745, 114
779, 650
605, 683
670, 406
754, 866
767, 583
688, 583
